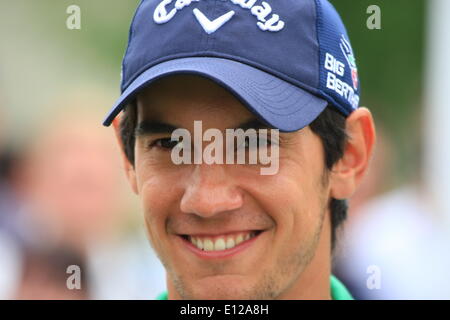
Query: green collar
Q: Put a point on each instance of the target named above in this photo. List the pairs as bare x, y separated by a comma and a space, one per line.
338, 291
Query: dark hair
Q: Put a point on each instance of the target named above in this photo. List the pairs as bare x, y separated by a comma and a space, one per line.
329, 126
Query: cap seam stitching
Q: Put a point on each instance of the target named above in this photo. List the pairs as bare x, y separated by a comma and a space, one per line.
318, 21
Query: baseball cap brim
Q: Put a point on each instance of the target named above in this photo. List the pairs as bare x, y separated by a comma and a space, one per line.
278, 103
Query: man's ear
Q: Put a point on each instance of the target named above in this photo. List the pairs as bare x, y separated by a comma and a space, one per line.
347, 172
129, 167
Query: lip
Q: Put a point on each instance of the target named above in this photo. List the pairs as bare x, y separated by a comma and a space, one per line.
222, 254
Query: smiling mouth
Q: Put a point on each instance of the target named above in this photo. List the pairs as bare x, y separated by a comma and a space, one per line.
221, 242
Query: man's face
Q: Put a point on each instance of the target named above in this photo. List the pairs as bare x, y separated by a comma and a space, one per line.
285, 214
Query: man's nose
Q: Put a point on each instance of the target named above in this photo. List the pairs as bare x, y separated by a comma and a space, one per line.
210, 191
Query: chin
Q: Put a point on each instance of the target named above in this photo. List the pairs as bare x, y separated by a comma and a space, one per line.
225, 288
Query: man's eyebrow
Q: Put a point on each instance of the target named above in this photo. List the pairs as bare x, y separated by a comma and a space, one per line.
253, 124
147, 127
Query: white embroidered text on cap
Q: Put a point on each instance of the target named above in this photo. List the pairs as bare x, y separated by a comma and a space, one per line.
262, 12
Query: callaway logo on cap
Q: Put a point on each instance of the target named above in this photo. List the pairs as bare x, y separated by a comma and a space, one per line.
286, 60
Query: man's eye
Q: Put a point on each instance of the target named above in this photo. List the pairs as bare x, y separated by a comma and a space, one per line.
264, 142
165, 143
258, 142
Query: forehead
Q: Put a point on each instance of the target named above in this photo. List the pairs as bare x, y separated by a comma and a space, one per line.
181, 98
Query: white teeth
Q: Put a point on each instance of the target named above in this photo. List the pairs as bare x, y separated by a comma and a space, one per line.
199, 244
219, 244
230, 243
208, 245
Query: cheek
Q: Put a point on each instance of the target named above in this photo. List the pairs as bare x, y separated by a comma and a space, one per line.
294, 199
159, 195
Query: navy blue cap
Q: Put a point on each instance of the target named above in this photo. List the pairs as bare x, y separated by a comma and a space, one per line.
286, 60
